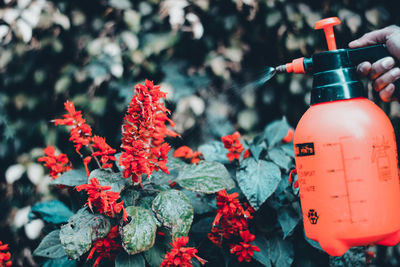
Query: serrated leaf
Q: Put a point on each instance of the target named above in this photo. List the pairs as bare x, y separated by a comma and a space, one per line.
206, 177
276, 131
71, 178
140, 233
288, 219
258, 180
279, 158
354, 257
125, 260
214, 151
279, 252
81, 230
50, 246
156, 254
52, 211
109, 178
174, 210
61, 262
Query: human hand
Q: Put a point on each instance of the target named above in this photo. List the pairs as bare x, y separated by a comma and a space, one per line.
383, 73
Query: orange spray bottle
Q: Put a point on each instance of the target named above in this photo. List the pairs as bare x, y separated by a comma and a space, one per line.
345, 153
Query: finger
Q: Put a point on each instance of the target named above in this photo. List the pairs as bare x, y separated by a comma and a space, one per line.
381, 66
364, 68
387, 92
386, 78
371, 38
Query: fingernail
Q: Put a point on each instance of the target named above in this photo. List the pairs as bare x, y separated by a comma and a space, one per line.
387, 63
390, 89
354, 43
395, 73
362, 67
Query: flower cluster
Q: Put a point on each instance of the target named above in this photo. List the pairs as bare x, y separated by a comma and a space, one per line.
143, 133
231, 221
55, 164
105, 201
5, 255
232, 143
106, 247
179, 255
81, 135
188, 154
244, 250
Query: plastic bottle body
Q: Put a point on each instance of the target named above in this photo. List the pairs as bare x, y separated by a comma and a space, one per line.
346, 159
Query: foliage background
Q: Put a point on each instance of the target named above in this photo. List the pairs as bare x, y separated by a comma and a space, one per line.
203, 52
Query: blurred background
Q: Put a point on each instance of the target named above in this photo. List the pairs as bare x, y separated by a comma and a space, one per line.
205, 53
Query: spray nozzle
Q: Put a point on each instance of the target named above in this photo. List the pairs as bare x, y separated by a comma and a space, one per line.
298, 65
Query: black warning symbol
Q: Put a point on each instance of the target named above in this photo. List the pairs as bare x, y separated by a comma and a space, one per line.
305, 149
313, 216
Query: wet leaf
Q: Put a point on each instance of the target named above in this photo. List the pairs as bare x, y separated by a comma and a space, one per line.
72, 178
214, 151
279, 158
140, 233
288, 219
258, 180
81, 230
156, 254
278, 252
206, 177
276, 131
174, 210
50, 246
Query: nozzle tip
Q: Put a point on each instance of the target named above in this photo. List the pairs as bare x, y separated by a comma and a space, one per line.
280, 69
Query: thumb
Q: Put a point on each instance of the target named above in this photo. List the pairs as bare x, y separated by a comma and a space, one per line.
372, 38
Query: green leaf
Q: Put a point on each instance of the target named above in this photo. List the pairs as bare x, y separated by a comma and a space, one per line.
256, 148
174, 210
71, 178
276, 131
279, 252
354, 257
50, 246
174, 165
52, 211
125, 260
81, 230
258, 180
206, 177
279, 158
288, 149
199, 201
109, 178
156, 254
214, 151
140, 233
130, 196
313, 243
61, 262
288, 219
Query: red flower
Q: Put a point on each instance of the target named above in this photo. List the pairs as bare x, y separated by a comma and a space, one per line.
232, 143
80, 131
81, 135
106, 247
244, 250
231, 218
187, 153
247, 154
289, 136
105, 201
179, 255
143, 133
5, 256
55, 164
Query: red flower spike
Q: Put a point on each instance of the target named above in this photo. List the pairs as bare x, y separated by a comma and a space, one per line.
107, 247
55, 164
180, 255
143, 133
5, 256
232, 143
244, 250
105, 201
231, 218
103, 150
